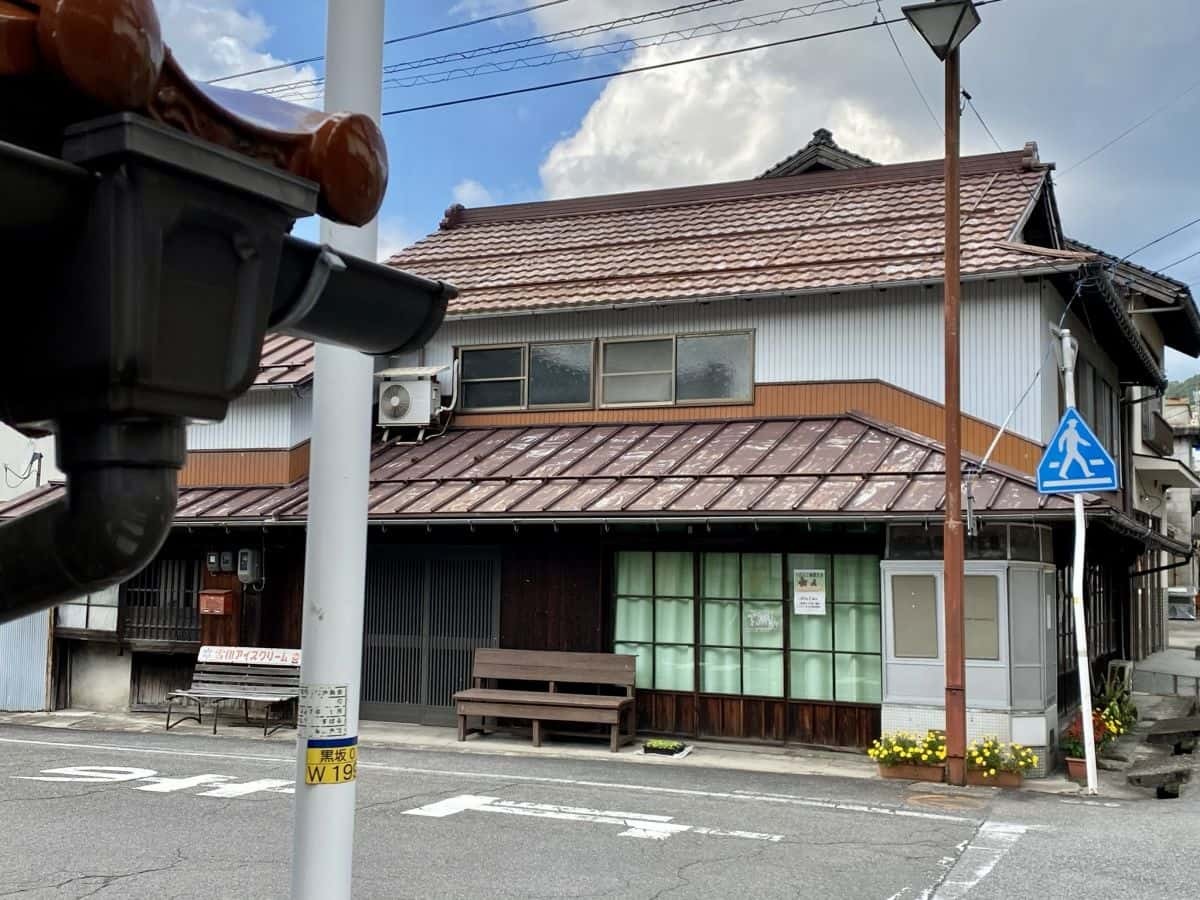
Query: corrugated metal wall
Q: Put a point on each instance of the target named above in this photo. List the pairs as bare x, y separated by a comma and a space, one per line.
23, 663
301, 415
425, 614
260, 419
894, 336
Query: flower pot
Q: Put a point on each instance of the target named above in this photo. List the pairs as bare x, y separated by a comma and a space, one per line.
1000, 779
1077, 769
913, 772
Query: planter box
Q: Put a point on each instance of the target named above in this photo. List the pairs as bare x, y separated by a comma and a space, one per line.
1077, 769
910, 772
1000, 779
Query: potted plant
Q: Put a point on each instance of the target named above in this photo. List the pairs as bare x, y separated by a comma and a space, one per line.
992, 763
912, 758
1105, 728
666, 747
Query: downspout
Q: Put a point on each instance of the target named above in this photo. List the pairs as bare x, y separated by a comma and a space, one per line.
118, 508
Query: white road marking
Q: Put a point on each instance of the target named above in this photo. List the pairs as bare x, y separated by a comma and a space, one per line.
246, 788
743, 796
978, 858
163, 785
89, 774
636, 825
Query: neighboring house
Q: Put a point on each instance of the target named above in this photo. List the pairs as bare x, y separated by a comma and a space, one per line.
1183, 416
701, 426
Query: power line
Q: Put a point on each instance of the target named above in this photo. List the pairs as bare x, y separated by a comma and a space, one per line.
1178, 261
971, 103
1132, 128
603, 76
911, 77
707, 29
533, 41
396, 40
1159, 239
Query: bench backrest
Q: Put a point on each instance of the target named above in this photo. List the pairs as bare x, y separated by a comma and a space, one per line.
617, 669
238, 676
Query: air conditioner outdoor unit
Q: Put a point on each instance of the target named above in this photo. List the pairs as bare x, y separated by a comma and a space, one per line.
409, 396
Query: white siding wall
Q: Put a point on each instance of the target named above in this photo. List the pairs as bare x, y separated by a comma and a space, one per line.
258, 420
893, 336
301, 415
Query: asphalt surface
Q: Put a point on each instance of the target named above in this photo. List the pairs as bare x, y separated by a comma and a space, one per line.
161, 816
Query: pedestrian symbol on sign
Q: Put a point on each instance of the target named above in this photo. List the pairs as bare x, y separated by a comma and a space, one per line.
1075, 460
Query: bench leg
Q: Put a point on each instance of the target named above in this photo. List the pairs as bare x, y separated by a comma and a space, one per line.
462, 728
614, 737
198, 717
537, 733
216, 713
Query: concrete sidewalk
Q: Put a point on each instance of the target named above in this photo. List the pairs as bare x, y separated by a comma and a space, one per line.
790, 760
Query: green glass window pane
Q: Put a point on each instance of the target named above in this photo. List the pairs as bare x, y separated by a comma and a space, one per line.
813, 632
720, 671
645, 662
721, 575
856, 579
762, 575
858, 678
673, 620
762, 673
673, 668
914, 616
811, 676
635, 619
856, 628
720, 622
762, 623
634, 573
673, 574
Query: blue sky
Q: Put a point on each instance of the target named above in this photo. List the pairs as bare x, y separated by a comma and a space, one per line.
1070, 74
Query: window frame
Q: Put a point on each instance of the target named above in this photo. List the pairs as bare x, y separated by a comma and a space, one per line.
590, 402
601, 403
526, 348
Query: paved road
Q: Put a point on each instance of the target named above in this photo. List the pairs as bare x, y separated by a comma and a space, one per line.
160, 816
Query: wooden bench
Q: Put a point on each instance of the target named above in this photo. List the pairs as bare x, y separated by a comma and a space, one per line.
550, 704
250, 674
1181, 734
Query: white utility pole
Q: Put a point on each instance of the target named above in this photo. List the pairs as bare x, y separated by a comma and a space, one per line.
1070, 348
336, 548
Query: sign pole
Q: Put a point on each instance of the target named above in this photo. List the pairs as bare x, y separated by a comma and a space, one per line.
336, 545
1069, 349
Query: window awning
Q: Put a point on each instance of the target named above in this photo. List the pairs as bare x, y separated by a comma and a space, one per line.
1166, 470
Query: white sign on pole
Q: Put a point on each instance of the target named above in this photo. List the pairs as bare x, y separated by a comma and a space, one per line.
808, 592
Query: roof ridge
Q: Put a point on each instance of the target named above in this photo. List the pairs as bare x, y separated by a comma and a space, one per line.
808, 182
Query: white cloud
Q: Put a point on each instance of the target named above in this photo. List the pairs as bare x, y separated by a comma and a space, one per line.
394, 236
215, 38
470, 192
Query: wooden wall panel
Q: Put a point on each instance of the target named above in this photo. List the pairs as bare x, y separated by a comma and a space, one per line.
552, 598
877, 399
241, 468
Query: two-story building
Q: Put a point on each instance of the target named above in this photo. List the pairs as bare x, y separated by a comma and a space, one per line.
701, 426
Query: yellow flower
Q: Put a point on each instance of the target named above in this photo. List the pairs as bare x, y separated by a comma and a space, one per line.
991, 771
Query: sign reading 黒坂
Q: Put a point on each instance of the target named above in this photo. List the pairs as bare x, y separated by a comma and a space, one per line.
258, 656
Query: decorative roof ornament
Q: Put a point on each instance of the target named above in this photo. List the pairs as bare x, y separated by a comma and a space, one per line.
66, 61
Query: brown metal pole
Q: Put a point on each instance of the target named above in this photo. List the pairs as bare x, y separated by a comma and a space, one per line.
956, 710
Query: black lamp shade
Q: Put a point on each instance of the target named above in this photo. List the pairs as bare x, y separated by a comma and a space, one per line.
944, 24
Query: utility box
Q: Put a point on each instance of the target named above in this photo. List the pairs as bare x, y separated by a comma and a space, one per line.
214, 602
249, 566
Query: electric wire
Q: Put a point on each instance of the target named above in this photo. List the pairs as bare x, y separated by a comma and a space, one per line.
929, 109
396, 40
1182, 259
533, 41
624, 45
1159, 239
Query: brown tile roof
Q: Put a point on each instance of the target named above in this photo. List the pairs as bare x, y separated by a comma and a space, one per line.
841, 466
836, 229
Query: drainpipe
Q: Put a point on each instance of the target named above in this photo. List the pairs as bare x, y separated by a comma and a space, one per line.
120, 500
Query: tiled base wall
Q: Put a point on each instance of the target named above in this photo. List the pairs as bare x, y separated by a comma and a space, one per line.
981, 723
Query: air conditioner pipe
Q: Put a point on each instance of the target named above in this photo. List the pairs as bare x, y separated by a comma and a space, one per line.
119, 503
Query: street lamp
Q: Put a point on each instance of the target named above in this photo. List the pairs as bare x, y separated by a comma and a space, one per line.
944, 25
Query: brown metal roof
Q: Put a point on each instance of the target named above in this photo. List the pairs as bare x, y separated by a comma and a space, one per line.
818, 230
843, 467
285, 361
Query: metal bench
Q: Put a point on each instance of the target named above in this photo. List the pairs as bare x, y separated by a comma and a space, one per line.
250, 674
550, 704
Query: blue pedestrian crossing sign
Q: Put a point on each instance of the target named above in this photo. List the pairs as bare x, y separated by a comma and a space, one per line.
1075, 460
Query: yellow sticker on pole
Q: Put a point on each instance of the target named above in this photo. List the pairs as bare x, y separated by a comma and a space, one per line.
331, 760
